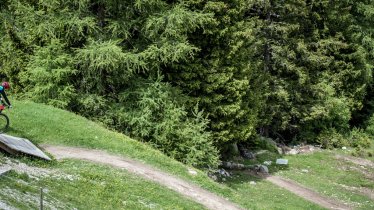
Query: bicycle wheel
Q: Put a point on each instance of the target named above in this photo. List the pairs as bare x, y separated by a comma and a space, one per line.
4, 122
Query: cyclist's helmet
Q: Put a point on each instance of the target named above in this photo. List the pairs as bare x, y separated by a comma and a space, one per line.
5, 85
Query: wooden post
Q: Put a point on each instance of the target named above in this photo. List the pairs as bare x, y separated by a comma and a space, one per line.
41, 198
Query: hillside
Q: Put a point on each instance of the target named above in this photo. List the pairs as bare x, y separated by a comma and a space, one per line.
133, 94
81, 184
68, 182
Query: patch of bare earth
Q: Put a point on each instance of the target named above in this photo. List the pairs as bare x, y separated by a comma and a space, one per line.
357, 161
5, 206
34, 172
306, 193
365, 167
362, 190
204, 197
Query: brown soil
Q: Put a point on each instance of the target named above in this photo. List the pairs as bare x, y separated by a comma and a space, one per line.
306, 193
356, 160
204, 197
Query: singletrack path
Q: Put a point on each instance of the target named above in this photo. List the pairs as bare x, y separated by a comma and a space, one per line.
306, 193
197, 194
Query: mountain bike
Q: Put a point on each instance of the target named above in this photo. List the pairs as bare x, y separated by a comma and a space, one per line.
4, 119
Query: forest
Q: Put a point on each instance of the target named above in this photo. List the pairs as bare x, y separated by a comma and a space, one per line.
195, 78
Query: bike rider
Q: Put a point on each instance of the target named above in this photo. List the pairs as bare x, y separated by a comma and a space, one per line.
5, 86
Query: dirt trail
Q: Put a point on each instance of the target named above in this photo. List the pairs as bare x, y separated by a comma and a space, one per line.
204, 197
306, 193
356, 160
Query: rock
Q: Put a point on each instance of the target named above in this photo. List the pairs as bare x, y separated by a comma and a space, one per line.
248, 154
260, 152
263, 169
192, 172
282, 161
231, 165
223, 173
227, 165
214, 177
292, 152
252, 183
307, 149
244, 152
268, 163
304, 171
240, 166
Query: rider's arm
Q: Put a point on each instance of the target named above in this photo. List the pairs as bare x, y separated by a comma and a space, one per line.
5, 97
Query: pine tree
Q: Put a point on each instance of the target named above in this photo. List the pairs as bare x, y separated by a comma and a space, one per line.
221, 77
317, 76
85, 54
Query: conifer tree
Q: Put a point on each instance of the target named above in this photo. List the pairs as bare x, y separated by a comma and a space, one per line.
84, 55
221, 77
317, 76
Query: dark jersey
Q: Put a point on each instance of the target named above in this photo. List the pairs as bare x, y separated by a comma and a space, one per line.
3, 94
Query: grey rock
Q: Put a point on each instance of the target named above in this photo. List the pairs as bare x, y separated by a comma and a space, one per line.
292, 152
247, 154
231, 165
268, 162
223, 173
214, 177
263, 169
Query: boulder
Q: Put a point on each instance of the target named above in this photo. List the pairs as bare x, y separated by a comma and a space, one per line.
263, 169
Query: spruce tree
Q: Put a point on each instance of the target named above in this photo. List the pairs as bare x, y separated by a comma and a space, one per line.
84, 55
221, 77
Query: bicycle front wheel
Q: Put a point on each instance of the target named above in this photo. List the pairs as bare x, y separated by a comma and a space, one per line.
4, 122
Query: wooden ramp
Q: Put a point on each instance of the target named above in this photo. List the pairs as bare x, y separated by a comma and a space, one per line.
15, 145
4, 169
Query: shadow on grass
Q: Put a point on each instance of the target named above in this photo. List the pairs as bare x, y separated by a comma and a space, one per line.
19, 133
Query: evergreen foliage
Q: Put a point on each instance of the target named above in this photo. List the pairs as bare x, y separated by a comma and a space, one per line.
291, 70
88, 55
150, 110
221, 77
49, 74
317, 75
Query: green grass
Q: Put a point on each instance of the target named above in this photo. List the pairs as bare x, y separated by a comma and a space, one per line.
269, 195
76, 184
332, 177
47, 125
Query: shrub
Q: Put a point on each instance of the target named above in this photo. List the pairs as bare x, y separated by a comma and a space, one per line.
332, 139
48, 75
358, 138
262, 142
152, 111
370, 126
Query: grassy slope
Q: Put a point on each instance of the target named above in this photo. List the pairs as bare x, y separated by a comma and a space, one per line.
46, 125
83, 185
332, 177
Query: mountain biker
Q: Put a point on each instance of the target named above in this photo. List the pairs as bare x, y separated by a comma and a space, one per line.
5, 86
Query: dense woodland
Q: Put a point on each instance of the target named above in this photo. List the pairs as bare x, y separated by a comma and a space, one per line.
194, 77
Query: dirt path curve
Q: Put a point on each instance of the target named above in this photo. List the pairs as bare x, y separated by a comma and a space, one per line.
306, 193
204, 197
356, 160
